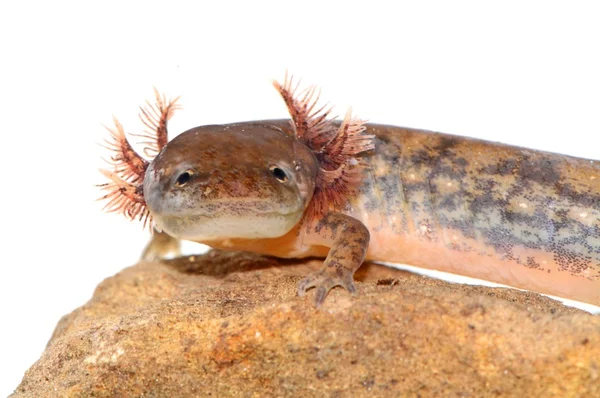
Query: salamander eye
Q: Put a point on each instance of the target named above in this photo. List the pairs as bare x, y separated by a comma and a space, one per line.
184, 178
279, 173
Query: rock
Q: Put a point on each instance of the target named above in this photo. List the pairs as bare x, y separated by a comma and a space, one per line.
230, 324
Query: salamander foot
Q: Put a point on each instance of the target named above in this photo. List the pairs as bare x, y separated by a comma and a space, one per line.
324, 280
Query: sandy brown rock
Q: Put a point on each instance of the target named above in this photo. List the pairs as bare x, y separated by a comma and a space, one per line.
232, 325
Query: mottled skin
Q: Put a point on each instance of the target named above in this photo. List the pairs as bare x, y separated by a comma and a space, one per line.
510, 215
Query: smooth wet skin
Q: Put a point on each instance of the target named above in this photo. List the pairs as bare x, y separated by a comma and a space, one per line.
510, 215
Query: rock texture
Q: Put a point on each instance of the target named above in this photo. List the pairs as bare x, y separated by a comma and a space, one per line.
231, 325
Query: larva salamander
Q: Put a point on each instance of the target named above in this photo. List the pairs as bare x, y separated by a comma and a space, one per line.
349, 191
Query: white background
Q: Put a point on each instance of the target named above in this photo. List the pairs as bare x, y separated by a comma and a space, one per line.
525, 73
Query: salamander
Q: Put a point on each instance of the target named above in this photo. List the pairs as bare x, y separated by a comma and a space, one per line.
348, 191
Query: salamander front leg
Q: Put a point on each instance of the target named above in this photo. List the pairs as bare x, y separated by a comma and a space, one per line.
160, 246
349, 241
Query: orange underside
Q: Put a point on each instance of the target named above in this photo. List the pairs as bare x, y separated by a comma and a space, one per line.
481, 262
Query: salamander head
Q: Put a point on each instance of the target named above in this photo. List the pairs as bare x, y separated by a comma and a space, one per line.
245, 180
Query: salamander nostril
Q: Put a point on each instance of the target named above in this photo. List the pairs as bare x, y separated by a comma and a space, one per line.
279, 174
183, 178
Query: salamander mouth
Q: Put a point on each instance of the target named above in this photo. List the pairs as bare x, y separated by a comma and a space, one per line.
207, 227
187, 206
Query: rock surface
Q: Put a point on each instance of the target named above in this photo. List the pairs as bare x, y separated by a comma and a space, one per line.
231, 325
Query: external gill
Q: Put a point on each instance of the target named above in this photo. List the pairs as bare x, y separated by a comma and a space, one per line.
124, 192
338, 149
124, 197
155, 117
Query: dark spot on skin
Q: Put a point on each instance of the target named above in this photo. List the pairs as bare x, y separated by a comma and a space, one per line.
416, 186
391, 153
542, 171
500, 238
569, 260
367, 191
445, 143
483, 203
385, 139
461, 162
391, 188
422, 158
502, 168
449, 171
432, 189
357, 256
585, 199
537, 168
463, 226
539, 220
531, 263
449, 202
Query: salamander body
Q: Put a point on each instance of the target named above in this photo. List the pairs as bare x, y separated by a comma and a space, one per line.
348, 191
